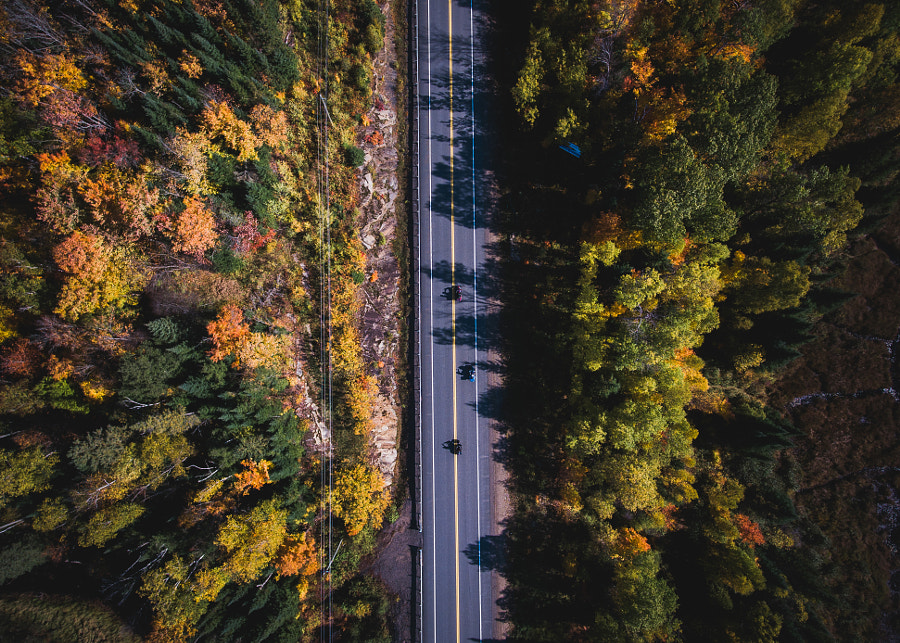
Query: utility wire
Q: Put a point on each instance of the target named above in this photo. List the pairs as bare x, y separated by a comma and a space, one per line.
324, 309
331, 552
326, 335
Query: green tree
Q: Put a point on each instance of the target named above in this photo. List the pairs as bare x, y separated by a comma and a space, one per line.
645, 603
106, 523
19, 558
527, 89
24, 472
147, 374
734, 115
674, 187
758, 284
100, 449
820, 203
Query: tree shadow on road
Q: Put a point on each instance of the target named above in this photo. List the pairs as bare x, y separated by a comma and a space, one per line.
489, 553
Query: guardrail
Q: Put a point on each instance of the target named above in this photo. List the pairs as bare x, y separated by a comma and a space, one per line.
414, 233
417, 615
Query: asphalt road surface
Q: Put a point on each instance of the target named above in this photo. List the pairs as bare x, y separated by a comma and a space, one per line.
456, 488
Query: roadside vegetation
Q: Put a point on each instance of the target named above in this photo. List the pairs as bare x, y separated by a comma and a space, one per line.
669, 277
161, 321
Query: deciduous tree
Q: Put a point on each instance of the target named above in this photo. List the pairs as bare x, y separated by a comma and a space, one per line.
298, 555
254, 476
24, 472
44, 74
359, 498
97, 275
252, 540
194, 229
270, 126
121, 200
228, 332
106, 523
220, 120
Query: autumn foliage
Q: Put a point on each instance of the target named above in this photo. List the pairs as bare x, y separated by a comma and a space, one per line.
231, 335
158, 172
629, 544
249, 238
21, 358
194, 229
97, 276
750, 532
254, 476
298, 555
229, 332
221, 121
359, 498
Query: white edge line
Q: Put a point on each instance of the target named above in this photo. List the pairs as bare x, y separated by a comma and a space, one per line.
475, 316
431, 340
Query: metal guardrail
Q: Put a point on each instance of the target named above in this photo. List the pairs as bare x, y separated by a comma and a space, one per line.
414, 231
417, 591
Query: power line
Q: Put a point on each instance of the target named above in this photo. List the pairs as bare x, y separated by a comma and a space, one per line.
326, 478
330, 339
326, 328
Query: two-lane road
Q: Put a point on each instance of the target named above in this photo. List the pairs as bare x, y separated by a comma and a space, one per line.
456, 489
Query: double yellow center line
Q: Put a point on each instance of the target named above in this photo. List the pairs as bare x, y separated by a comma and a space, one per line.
453, 321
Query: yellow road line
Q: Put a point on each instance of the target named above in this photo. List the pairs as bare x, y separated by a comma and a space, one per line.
453, 320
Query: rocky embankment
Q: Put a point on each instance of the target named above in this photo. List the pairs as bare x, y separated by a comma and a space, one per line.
382, 310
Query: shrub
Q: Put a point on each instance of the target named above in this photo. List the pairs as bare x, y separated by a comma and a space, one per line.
354, 156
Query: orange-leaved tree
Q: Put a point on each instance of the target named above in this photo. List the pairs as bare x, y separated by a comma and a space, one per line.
751, 534
297, 556
254, 476
628, 544
271, 127
122, 199
231, 336
21, 358
228, 331
194, 229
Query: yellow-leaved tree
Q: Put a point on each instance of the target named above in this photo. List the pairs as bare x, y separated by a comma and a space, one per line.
97, 275
360, 499
220, 121
251, 541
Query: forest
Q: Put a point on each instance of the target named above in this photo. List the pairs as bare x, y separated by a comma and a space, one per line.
712, 270
681, 280
166, 346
